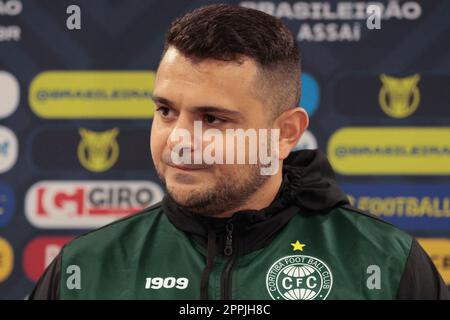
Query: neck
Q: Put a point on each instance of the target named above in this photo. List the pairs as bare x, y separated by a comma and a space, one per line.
261, 198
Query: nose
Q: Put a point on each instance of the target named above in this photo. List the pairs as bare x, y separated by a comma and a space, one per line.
183, 136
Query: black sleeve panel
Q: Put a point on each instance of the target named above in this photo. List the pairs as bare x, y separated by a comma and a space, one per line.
420, 279
47, 287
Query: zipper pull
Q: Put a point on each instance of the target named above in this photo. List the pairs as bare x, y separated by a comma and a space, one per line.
228, 251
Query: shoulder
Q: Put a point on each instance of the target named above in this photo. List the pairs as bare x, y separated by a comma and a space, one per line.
366, 235
366, 228
90, 251
125, 231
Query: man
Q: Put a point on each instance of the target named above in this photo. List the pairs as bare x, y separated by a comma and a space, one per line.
225, 230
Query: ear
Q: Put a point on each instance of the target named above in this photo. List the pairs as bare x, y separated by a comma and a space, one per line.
292, 123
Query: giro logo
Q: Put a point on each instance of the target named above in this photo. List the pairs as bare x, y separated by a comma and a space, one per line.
9, 149
299, 277
399, 97
98, 151
39, 253
87, 204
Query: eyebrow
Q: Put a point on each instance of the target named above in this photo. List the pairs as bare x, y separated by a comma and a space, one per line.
201, 109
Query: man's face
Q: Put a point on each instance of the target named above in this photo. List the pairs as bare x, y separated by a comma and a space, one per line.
220, 95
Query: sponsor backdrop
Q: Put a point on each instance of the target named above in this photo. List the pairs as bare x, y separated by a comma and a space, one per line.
76, 109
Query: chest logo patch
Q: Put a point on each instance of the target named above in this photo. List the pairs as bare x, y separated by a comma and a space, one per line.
299, 277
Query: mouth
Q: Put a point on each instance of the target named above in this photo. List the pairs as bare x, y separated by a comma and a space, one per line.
186, 168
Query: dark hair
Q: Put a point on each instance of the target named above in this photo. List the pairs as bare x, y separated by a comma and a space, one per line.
230, 32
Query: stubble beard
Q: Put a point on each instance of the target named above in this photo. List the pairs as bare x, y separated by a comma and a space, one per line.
229, 192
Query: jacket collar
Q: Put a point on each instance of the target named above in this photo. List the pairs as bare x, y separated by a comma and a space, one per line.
308, 187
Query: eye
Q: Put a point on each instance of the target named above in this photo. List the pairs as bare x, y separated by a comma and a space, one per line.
210, 119
164, 112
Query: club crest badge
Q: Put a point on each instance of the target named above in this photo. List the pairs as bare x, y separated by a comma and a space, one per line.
299, 277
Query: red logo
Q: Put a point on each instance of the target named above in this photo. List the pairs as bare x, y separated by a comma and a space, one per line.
87, 204
39, 253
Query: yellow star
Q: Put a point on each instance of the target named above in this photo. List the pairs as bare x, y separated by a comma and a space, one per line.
297, 246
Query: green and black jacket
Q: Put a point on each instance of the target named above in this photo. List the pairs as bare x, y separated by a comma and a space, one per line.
308, 244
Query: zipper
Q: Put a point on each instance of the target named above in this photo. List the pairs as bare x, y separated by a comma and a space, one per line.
230, 252
204, 281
